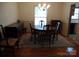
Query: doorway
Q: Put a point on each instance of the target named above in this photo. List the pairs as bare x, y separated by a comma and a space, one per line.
73, 21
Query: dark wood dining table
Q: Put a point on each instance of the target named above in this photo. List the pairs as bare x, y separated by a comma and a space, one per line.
43, 33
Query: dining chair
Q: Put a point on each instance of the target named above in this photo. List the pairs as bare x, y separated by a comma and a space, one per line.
55, 23
50, 33
6, 43
2, 35
58, 26
34, 34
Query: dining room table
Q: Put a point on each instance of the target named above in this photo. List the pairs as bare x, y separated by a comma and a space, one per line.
44, 33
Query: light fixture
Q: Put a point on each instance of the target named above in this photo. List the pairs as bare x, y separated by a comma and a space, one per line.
48, 6
44, 6
39, 5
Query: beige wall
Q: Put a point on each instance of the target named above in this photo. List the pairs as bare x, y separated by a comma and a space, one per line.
26, 11
8, 13
56, 11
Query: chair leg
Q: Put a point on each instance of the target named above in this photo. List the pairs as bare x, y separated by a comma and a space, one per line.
35, 39
52, 40
17, 44
56, 36
31, 37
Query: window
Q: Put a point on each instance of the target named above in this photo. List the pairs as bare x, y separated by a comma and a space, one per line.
75, 17
41, 16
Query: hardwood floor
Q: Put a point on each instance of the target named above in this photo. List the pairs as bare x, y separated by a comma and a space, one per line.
46, 52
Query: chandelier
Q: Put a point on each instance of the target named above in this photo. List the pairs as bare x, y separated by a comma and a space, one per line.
44, 6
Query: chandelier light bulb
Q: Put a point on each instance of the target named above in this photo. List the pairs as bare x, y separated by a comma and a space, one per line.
44, 5
48, 6
39, 5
